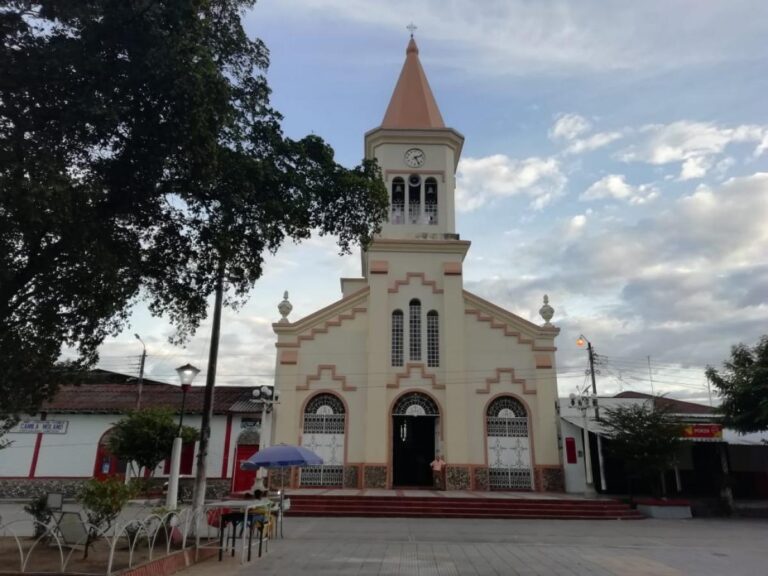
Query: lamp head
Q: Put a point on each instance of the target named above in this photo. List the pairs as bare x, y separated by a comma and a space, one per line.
186, 374
267, 392
581, 341
572, 397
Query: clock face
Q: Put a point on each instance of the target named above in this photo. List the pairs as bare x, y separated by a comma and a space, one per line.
414, 157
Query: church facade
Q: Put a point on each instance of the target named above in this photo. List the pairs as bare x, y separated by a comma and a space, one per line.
409, 364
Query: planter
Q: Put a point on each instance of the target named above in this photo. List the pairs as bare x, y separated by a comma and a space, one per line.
663, 508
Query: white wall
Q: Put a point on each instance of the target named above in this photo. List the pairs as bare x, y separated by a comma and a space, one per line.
16, 459
74, 454
575, 475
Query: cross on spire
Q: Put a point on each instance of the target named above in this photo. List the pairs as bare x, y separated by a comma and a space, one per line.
411, 28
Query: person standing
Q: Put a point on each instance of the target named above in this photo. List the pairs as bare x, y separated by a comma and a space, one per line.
438, 472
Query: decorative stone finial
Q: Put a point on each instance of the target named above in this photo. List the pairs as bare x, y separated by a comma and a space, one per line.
284, 308
546, 311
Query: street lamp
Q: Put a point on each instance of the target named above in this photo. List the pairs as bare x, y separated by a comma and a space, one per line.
584, 402
267, 397
186, 374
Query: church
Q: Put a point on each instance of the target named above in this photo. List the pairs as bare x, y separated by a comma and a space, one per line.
408, 364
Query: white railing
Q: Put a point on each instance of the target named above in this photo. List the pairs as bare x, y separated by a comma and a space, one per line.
127, 543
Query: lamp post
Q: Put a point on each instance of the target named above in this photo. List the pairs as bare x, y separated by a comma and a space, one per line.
580, 341
584, 402
186, 374
267, 397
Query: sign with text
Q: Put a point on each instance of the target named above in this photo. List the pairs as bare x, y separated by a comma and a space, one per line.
41, 427
711, 431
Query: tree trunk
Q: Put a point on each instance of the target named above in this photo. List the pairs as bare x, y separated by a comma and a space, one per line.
198, 499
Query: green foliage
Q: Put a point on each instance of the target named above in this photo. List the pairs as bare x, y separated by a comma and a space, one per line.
743, 387
140, 157
645, 438
102, 501
38, 509
146, 437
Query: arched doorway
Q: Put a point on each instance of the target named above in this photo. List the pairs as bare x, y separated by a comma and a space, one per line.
509, 446
414, 439
323, 433
106, 464
247, 445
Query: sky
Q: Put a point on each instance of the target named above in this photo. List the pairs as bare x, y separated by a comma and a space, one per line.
616, 159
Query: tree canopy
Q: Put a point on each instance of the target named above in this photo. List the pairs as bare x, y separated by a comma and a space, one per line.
644, 437
146, 437
743, 387
140, 158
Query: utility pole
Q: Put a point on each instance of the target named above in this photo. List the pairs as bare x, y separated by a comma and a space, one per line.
198, 498
650, 376
601, 463
140, 384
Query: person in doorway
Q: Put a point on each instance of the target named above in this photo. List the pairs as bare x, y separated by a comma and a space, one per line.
438, 472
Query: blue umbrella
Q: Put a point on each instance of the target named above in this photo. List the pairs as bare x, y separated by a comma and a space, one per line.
282, 456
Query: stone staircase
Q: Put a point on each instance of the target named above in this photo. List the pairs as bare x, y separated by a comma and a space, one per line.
459, 507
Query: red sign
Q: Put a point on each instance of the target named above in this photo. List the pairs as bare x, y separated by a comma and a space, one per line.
714, 431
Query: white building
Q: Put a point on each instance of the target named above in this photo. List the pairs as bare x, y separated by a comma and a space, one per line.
408, 363
64, 444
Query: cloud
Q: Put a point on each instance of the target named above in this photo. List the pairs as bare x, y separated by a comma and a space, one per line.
517, 36
615, 187
681, 284
569, 126
693, 144
592, 143
480, 180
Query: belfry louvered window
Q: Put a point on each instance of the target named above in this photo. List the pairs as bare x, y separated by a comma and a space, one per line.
397, 338
433, 339
414, 332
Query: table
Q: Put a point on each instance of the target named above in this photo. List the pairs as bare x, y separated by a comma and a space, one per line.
238, 508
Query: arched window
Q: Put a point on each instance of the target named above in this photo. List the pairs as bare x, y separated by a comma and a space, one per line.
430, 200
398, 201
509, 447
433, 339
414, 199
323, 433
414, 322
397, 338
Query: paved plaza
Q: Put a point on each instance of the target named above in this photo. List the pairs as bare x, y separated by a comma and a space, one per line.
436, 547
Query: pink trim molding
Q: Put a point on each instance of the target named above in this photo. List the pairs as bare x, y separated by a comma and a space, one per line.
497, 379
323, 329
496, 325
335, 377
424, 282
409, 367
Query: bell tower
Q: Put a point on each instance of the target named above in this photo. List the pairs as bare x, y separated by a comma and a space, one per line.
418, 156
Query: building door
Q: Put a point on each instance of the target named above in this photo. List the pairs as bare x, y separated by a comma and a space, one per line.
323, 433
107, 465
509, 447
242, 480
414, 426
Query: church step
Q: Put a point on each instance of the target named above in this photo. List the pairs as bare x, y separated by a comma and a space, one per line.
533, 515
449, 507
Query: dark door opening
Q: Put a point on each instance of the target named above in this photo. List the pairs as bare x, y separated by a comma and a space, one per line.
413, 449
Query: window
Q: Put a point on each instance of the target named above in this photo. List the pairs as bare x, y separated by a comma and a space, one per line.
414, 199
430, 201
415, 330
398, 201
433, 339
397, 338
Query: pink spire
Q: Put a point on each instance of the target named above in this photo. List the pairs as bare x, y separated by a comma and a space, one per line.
412, 105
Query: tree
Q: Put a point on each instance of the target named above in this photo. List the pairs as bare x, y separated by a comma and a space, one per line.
140, 158
743, 387
644, 437
102, 501
146, 437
